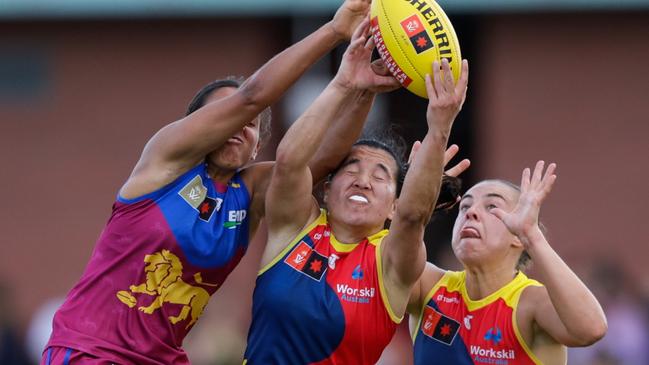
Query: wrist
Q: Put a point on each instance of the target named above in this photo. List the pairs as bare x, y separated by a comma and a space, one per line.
365, 96
344, 86
333, 35
531, 237
443, 123
439, 134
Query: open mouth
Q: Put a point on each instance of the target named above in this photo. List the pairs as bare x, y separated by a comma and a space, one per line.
469, 232
359, 199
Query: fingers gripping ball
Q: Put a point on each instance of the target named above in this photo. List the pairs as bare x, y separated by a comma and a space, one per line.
411, 34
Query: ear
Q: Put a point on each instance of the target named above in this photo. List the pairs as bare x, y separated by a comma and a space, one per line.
517, 242
255, 151
327, 186
393, 209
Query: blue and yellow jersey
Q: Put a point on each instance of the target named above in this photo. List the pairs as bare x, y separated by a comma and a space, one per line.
321, 302
453, 329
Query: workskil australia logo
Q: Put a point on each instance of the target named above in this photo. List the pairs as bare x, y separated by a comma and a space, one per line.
491, 356
355, 295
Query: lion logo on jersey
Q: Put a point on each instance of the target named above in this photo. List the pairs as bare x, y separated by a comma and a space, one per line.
164, 281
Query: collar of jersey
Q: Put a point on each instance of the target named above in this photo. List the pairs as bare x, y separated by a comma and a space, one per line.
474, 304
349, 247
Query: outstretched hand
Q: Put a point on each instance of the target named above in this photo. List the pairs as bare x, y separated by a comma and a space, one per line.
350, 14
449, 194
357, 72
445, 97
524, 219
450, 152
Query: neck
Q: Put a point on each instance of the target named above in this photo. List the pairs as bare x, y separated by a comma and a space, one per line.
351, 234
480, 283
220, 175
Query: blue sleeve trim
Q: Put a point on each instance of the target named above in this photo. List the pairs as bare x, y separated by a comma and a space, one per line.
66, 359
49, 356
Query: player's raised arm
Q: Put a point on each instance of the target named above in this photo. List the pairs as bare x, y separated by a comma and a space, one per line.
566, 309
289, 203
404, 254
184, 143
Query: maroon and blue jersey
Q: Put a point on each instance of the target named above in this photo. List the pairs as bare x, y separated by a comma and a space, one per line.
455, 330
321, 302
155, 265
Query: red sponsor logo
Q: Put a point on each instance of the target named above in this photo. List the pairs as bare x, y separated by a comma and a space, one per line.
412, 25
308, 261
438, 326
430, 320
299, 256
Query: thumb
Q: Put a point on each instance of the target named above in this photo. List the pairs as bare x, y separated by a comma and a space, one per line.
387, 83
379, 67
499, 213
413, 151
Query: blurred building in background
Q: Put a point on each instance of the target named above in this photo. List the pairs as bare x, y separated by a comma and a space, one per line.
83, 85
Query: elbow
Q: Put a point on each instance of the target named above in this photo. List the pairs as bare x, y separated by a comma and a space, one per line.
252, 93
288, 156
283, 158
595, 332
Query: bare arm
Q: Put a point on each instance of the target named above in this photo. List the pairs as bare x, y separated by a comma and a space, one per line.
181, 145
566, 309
404, 253
289, 204
342, 133
347, 127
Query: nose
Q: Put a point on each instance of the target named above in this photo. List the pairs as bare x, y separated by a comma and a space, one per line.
471, 213
362, 181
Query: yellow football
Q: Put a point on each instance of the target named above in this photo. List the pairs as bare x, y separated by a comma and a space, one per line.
411, 34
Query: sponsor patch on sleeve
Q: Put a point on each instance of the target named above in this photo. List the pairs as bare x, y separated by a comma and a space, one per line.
307, 261
438, 326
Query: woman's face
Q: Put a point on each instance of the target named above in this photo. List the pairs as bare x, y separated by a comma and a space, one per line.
479, 235
242, 146
363, 192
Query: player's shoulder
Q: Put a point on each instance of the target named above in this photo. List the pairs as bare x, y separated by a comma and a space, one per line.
256, 177
257, 174
532, 297
533, 292
431, 277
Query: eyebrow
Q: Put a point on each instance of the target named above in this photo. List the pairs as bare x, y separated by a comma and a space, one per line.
490, 195
385, 168
352, 161
494, 195
466, 196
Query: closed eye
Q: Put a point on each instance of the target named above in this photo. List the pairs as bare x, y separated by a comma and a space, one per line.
351, 172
